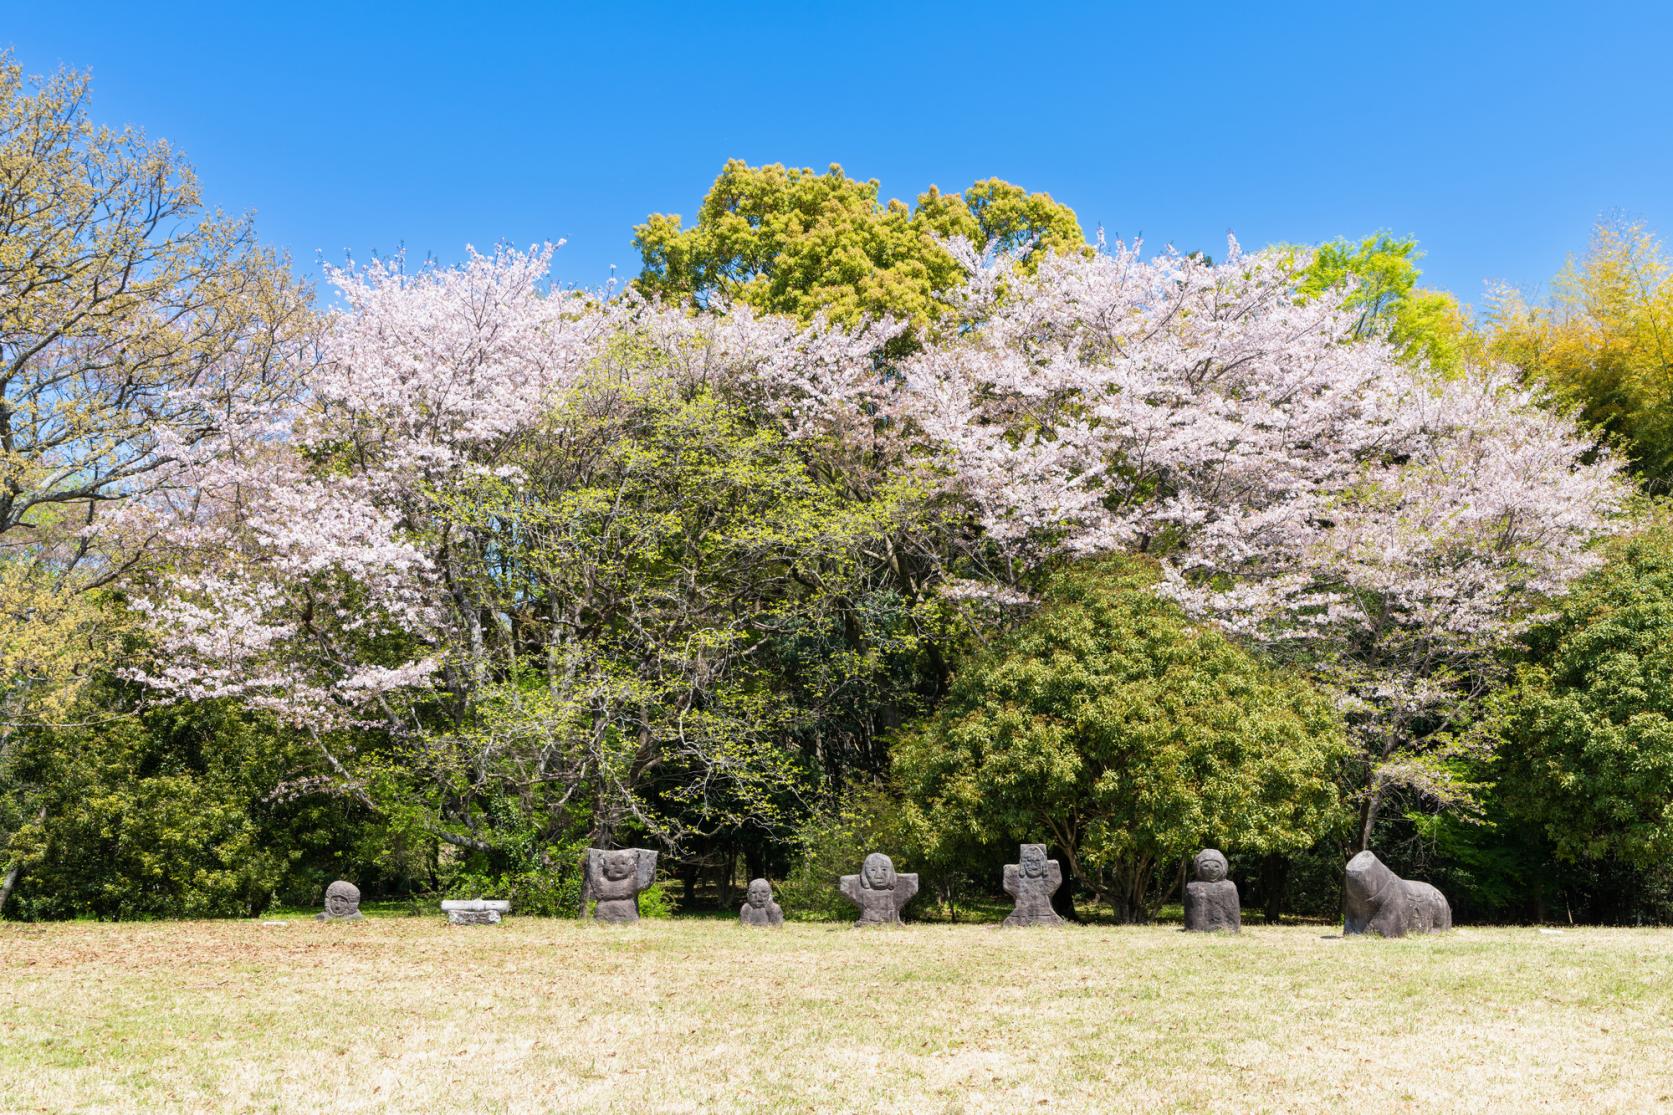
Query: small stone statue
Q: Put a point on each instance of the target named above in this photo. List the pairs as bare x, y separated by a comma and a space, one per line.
878, 891
1211, 901
1381, 902
615, 878
1032, 880
760, 909
475, 911
342, 903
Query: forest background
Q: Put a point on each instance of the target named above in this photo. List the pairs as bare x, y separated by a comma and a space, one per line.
837, 528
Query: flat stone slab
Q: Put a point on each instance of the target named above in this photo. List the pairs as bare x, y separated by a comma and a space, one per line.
475, 911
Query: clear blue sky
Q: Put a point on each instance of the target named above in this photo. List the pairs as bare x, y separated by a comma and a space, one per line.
1495, 133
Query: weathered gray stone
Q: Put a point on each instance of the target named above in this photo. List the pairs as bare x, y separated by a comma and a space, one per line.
1031, 881
1211, 900
475, 911
614, 879
878, 891
342, 903
759, 907
1381, 902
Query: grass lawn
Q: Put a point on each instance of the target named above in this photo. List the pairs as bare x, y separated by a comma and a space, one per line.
409, 1014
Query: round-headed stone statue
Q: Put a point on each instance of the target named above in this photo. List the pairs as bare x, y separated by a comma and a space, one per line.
878, 891
342, 903
1211, 900
1031, 881
759, 907
1381, 902
615, 878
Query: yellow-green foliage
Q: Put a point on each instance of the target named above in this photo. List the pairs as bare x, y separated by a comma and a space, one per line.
1604, 343
791, 241
1426, 325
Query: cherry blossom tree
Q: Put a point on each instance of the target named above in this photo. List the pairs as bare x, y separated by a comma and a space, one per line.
1306, 490
480, 531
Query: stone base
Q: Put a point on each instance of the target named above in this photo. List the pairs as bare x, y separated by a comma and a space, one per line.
356, 916
473, 917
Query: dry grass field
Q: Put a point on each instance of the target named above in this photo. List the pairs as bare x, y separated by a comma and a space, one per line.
409, 1014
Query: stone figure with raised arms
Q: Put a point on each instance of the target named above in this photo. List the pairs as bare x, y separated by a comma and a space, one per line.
879, 891
1031, 882
614, 879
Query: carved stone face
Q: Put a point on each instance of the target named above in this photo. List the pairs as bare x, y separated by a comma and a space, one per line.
760, 893
341, 899
619, 865
1211, 865
1034, 861
878, 872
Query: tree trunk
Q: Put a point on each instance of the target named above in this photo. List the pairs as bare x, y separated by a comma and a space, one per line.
16, 869
688, 882
1367, 816
1064, 900
1275, 876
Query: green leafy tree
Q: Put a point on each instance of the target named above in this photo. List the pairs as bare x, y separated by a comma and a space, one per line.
1127, 738
1422, 324
790, 241
190, 810
1604, 342
1587, 728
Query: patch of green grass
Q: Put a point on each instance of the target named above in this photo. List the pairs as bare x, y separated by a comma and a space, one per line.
409, 1014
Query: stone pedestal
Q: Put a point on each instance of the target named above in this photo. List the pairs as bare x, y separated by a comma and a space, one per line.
475, 911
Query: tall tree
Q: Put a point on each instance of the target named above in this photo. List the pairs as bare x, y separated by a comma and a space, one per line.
1128, 738
1310, 491
595, 568
787, 240
1604, 343
133, 323
1381, 270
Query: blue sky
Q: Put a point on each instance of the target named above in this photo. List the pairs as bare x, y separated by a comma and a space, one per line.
1496, 134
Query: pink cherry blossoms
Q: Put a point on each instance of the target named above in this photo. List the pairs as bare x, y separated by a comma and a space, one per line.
325, 583
1294, 485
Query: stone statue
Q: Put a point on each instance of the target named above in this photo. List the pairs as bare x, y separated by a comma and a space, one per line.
342, 903
1031, 881
878, 891
1381, 902
1211, 901
615, 878
760, 909
475, 911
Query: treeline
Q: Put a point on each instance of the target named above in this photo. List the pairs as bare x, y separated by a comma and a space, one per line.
854, 524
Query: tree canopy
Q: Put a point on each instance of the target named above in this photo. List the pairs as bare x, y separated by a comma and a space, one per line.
788, 240
1604, 343
1588, 725
1127, 737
